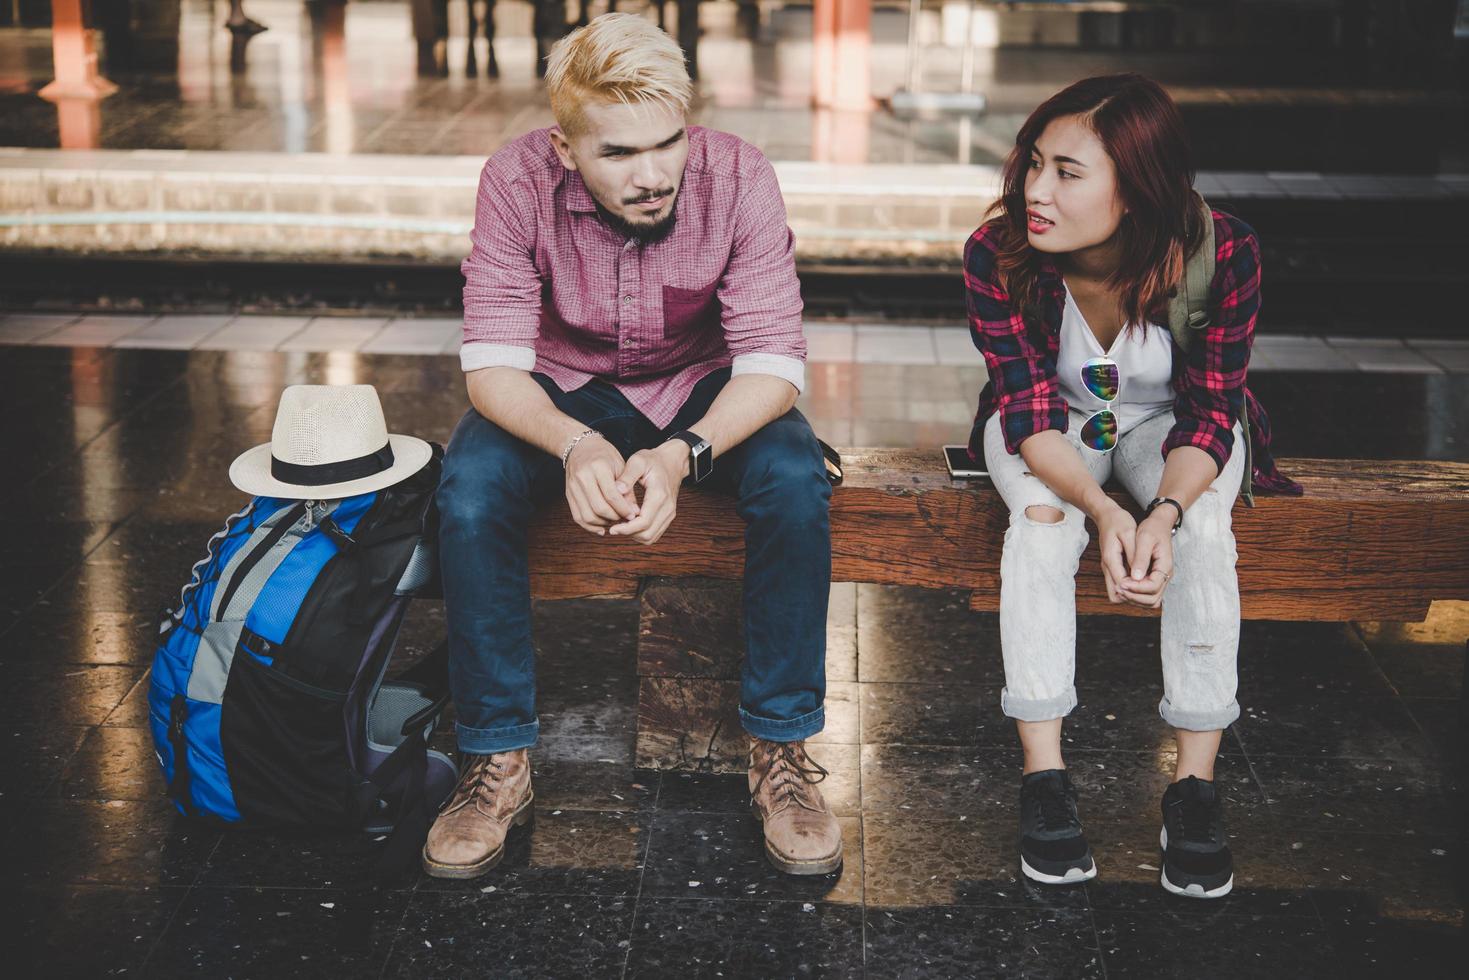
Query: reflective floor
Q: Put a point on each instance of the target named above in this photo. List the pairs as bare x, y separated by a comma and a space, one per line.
1338, 775
341, 80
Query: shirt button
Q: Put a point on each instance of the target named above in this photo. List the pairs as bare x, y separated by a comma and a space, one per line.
627, 299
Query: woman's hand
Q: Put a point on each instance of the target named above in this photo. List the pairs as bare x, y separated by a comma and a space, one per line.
1152, 561
1116, 534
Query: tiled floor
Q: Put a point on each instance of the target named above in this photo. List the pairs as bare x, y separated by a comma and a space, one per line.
1338, 775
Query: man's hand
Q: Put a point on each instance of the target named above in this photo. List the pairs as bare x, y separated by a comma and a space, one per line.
597, 499
660, 471
1116, 535
1152, 561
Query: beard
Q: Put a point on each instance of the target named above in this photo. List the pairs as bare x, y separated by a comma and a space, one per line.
642, 232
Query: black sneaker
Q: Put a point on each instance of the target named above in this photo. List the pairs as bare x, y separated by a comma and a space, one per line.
1053, 850
1196, 858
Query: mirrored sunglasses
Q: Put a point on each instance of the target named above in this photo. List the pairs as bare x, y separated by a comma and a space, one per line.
1102, 378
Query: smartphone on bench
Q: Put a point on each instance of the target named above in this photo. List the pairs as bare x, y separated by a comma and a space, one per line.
960, 465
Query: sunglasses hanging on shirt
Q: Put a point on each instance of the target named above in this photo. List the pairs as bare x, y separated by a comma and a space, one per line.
1102, 378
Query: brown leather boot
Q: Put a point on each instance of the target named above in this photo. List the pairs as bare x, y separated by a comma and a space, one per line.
802, 836
468, 838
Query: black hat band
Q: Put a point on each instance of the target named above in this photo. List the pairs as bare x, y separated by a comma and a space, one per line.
325, 474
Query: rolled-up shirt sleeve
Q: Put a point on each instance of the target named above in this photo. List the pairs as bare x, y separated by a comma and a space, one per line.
1211, 387
759, 293
502, 289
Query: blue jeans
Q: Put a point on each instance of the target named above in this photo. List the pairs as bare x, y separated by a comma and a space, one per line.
491, 486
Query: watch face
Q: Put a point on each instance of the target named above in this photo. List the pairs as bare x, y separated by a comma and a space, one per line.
703, 461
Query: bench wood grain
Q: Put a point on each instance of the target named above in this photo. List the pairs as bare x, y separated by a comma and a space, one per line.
1375, 540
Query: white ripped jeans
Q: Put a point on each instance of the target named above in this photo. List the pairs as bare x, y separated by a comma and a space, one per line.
1200, 631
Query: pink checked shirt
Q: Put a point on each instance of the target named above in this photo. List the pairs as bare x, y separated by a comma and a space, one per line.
549, 287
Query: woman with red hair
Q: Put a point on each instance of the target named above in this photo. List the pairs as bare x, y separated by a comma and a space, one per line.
1069, 284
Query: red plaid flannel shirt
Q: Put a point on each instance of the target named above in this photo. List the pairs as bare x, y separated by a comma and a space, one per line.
1209, 381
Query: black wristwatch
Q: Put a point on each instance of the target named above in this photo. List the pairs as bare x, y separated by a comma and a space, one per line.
1158, 501
701, 454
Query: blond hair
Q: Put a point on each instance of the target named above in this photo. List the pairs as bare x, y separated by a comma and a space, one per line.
616, 58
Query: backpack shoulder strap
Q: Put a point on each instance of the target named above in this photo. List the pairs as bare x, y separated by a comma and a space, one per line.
1188, 310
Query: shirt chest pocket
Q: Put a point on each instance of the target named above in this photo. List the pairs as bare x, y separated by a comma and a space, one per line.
688, 310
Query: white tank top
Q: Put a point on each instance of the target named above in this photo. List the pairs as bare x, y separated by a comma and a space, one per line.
1144, 365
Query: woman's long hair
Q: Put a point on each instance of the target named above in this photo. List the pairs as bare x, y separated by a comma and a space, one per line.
1142, 131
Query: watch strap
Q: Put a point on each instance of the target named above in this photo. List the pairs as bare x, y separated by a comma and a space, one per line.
699, 449
684, 435
1159, 501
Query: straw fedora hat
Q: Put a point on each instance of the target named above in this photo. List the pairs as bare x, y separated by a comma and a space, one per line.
329, 441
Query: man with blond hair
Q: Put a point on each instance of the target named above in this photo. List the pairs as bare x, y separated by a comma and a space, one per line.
632, 319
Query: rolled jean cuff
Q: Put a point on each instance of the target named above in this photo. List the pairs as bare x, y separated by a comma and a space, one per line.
1199, 721
790, 730
1045, 710
485, 741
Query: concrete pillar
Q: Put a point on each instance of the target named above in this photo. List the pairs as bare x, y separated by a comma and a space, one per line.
841, 43
336, 80
75, 56
839, 136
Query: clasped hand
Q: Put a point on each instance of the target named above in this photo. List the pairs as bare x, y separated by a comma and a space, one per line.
1137, 558
601, 489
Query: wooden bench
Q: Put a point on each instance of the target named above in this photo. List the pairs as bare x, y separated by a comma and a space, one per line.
1371, 540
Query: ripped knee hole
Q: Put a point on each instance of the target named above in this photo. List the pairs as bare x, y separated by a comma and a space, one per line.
1044, 514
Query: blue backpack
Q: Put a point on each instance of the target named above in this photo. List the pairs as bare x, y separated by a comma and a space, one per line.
267, 703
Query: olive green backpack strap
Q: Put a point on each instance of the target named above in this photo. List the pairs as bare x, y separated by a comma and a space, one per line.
1188, 309
1188, 313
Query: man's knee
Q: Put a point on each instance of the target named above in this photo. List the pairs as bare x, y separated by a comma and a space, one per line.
482, 481
786, 465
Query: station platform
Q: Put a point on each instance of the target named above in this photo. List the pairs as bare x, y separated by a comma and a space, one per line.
314, 170
420, 209
292, 210
382, 234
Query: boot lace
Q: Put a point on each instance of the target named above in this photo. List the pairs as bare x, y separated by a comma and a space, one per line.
481, 781
789, 771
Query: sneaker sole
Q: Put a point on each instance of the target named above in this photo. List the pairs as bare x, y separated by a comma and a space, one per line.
1071, 877
1194, 889
464, 872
